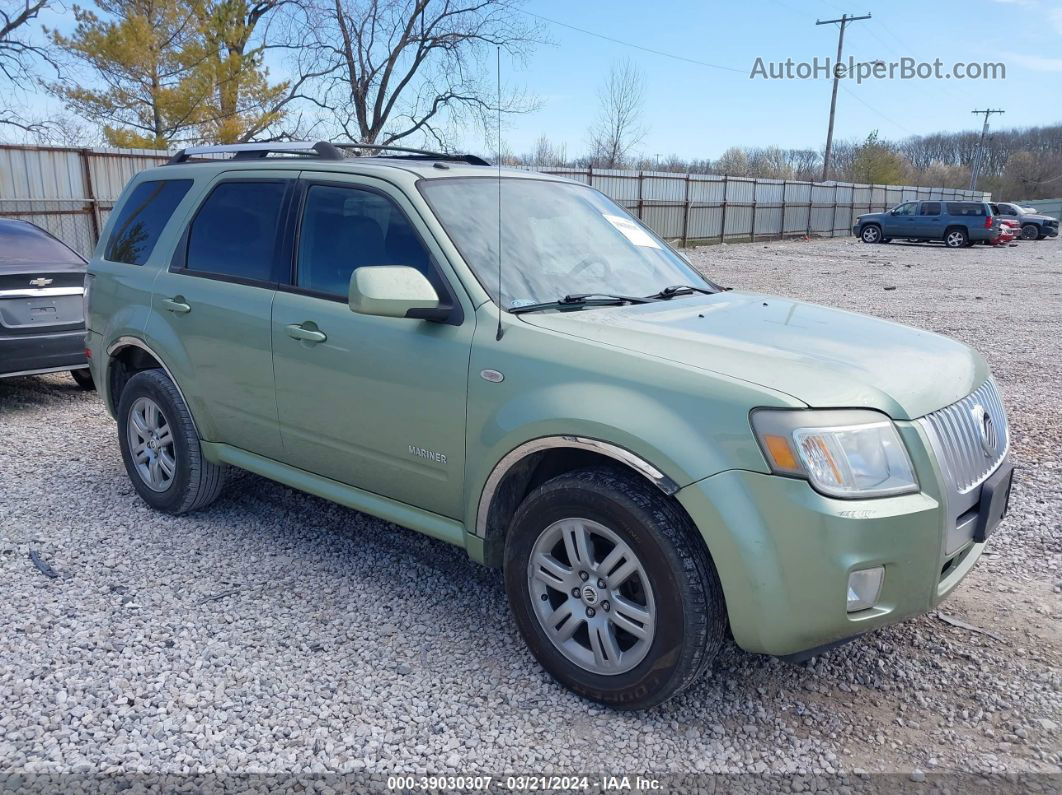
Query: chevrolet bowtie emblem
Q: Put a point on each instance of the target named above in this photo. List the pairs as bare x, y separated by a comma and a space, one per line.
41, 282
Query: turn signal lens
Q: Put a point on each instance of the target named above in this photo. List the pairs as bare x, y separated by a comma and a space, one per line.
780, 452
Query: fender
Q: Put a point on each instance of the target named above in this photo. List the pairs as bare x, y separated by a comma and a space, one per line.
511, 459
126, 342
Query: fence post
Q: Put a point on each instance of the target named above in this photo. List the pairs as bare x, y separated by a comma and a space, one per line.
590, 175
641, 180
781, 220
722, 220
686, 215
811, 203
833, 217
752, 220
90, 195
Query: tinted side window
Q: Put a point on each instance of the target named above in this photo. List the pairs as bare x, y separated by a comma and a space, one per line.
906, 209
1005, 209
142, 219
23, 244
930, 208
235, 231
347, 228
966, 208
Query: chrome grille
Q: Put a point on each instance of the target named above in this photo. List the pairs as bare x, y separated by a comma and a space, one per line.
959, 436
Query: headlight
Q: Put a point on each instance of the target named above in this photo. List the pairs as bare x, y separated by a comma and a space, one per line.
842, 453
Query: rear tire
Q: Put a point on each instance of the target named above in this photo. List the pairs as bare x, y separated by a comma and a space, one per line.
642, 559
160, 446
956, 238
83, 378
1030, 232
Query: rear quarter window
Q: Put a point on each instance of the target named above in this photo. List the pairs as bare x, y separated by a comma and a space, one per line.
966, 208
142, 219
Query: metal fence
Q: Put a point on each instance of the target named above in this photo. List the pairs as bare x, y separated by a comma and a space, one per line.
704, 208
70, 191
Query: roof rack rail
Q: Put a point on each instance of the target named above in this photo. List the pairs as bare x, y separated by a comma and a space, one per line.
421, 154
322, 150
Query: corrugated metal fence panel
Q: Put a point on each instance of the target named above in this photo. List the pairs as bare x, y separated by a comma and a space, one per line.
740, 193
111, 171
797, 208
767, 216
40, 173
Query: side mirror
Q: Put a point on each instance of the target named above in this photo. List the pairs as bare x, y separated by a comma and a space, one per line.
393, 291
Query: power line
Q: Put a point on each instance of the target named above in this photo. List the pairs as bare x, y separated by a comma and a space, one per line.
889, 119
595, 34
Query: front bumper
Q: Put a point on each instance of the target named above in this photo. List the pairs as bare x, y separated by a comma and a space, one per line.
784, 553
26, 354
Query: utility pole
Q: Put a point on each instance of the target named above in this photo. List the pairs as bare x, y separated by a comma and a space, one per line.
980, 146
843, 21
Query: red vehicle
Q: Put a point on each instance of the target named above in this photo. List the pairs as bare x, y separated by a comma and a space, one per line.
1009, 229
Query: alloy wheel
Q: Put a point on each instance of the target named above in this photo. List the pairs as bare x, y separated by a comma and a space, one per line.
591, 596
955, 239
151, 444
871, 234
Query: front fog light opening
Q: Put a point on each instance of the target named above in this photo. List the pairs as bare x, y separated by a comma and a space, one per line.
864, 588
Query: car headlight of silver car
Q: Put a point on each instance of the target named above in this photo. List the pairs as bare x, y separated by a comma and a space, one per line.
847, 453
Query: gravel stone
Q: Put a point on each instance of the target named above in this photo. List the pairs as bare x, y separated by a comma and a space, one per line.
347, 644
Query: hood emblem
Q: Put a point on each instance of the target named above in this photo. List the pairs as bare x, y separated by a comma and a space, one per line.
987, 428
41, 282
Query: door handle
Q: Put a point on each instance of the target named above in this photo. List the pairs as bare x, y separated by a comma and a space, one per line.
176, 304
299, 331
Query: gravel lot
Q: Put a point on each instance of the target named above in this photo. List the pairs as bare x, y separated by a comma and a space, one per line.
278, 632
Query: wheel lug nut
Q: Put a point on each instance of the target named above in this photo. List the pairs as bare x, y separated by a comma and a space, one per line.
605, 606
584, 576
590, 612
575, 592
545, 597
602, 584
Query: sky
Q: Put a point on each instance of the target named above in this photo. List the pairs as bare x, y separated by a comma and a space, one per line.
697, 110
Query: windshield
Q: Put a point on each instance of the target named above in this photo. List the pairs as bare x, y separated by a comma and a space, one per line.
558, 239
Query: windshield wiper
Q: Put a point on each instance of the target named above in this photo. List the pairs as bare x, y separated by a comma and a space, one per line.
679, 289
581, 300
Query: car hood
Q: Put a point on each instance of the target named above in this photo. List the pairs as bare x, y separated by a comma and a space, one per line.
826, 358
1036, 217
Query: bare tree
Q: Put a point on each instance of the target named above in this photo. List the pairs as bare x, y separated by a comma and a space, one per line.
19, 56
618, 128
548, 153
390, 70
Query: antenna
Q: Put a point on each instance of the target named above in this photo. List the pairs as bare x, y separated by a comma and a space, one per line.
498, 336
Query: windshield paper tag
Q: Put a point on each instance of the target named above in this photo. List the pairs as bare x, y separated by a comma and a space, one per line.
632, 231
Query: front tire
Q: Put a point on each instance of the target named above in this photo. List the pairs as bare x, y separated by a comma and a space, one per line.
871, 233
160, 446
612, 588
1030, 232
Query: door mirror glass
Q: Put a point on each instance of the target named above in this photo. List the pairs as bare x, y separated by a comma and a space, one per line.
392, 291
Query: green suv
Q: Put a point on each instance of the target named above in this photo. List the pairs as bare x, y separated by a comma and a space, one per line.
509, 362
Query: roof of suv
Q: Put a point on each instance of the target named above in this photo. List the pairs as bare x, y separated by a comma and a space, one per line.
304, 156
